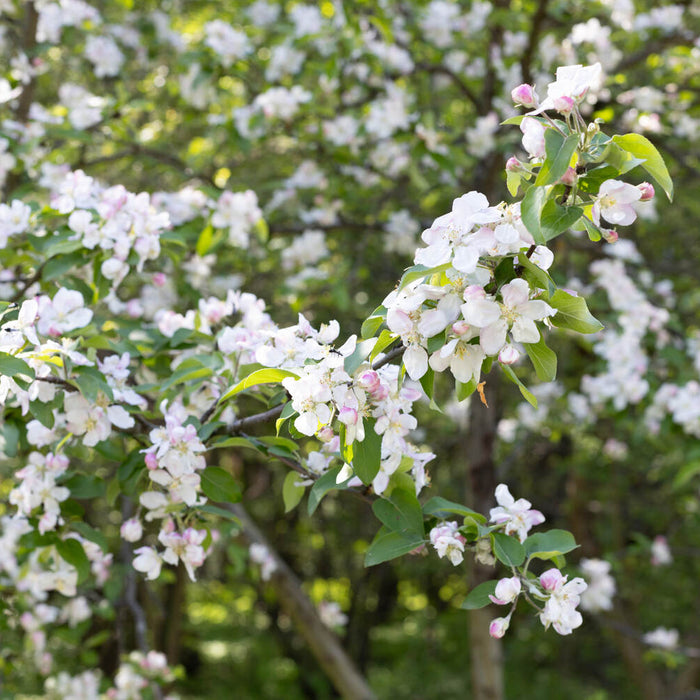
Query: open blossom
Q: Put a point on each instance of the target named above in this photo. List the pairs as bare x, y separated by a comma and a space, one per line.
516, 313
185, 547
64, 313
571, 86
662, 638
614, 203
560, 608
448, 542
601, 585
148, 562
517, 515
660, 552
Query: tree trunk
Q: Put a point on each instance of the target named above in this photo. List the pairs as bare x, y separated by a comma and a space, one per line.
486, 653
323, 643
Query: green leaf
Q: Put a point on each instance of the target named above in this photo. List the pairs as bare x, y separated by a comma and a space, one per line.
219, 485
218, 512
555, 219
418, 272
640, 147
359, 355
59, 265
442, 508
89, 533
84, 486
371, 325
292, 492
386, 338
465, 390
531, 212
261, 376
390, 545
543, 359
547, 545
72, 551
592, 230
508, 550
572, 313
401, 512
322, 486
559, 151
234, 442
513, 182
367, 454
527, 394
11, 366
536, 276
287, 412
42, 412
91, 382
479, 597
514, 120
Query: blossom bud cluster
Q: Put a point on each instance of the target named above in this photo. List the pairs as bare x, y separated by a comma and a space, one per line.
464, 242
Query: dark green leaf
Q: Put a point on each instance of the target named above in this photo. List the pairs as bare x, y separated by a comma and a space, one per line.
479, 597
390, 545
72, 551
324, 484
11, 366
573, 313
547, 545
367, 454
508, 549
219, 485
543, 359
442, 508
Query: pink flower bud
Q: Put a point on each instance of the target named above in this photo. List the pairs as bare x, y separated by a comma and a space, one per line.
151, 461
159, 279
551, 579
347, 415
569, 177
326, 434
499, 627
563, 104
524, 95
131, 530
460, 327
513, 165
474, 291
369, 380
380, 393
647, 190
508, 355
134, 308
609, 235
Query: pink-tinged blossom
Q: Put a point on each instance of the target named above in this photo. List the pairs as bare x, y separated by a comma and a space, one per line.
614, 203
148, 562
507, 590
533, 137
518, 516
499, 627
516, 313
647, 191
560, 608
185, 547
131, 530
448, 542
572, 84
660, 552
601, 585
64, 313
525, 96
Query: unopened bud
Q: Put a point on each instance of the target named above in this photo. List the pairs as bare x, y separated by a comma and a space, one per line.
499, 627
159, 279
525, 95
609, 235
151, 461
326, 434
460, 327
563, 104
131, 530
569, 177
513, 165
647, 190
508, 355
347, 415
369, 380
474, 291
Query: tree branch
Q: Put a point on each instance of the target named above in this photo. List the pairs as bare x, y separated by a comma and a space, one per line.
323, 643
